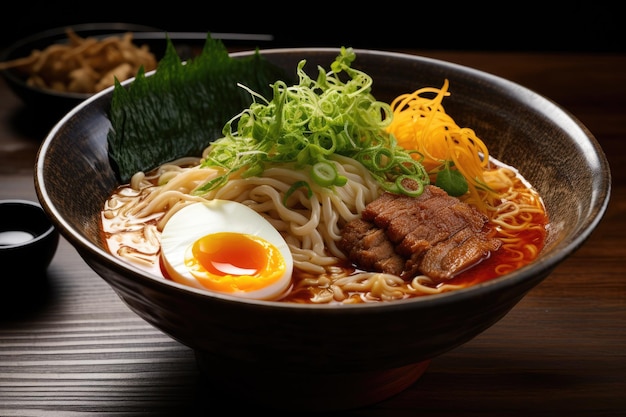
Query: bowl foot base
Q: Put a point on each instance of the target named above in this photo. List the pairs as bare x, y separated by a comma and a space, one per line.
275, 389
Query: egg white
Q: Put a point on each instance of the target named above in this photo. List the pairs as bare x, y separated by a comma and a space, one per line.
199, 219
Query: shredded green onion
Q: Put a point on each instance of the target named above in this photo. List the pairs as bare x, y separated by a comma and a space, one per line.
307, 123
295, 186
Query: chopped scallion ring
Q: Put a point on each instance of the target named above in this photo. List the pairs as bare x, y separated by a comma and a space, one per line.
324, 173
409, 186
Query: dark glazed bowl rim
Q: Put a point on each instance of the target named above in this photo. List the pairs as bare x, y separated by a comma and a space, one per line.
525, 277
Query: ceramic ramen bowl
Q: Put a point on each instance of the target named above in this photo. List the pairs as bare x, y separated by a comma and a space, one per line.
288, 355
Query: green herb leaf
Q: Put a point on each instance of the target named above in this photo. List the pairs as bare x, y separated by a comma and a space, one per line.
452, 182
182, 107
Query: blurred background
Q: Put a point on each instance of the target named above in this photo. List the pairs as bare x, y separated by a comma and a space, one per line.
589, 27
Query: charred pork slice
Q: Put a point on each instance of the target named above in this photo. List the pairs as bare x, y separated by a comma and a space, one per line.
433, 234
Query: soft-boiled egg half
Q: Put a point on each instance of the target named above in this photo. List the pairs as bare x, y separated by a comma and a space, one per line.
227, 247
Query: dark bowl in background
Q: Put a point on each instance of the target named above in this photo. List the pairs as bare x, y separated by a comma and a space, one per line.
53, 102
326, 356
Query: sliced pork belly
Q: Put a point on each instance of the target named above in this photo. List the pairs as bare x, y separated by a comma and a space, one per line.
369, 244
433, 234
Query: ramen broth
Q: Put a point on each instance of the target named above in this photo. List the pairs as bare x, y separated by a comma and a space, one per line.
137, 241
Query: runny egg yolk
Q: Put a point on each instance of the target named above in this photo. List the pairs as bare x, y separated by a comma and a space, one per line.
231, 262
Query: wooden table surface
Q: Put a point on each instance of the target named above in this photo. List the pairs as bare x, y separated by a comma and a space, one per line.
76, 349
